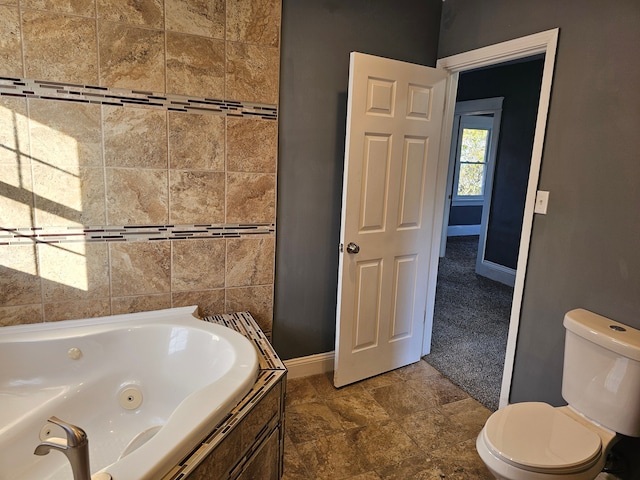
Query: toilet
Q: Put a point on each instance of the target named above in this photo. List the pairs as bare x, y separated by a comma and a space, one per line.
601, 384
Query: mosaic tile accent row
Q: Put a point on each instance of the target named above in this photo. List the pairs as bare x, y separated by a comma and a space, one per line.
240, 428
17, 87
52, 235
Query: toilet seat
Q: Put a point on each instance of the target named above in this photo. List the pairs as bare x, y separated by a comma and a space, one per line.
537, 437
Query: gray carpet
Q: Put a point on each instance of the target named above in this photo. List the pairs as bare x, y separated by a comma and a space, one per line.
471, 323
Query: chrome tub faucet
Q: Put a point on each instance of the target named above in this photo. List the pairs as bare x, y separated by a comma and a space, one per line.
75, 447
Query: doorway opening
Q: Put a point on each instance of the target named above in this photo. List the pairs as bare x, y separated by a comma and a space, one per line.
476, 274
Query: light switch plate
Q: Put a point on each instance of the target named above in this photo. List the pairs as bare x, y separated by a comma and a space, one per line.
542, 201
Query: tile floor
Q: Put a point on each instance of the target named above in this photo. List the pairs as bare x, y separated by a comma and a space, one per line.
411, 423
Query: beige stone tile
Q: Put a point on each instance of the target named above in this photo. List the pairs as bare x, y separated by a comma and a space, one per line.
255, 21
131, 57
77, 310
149, 13
196, 142
20, 315
257, 300
16, 196
252, 73
399, 401
331, 457
137, 196
357, 409
197, 264
383, 444
250, 261
139, 268
309, 421
209, 302
195, 65
74, 271
66, 196
206, 19
196, 196
141, 303
10, 42
59, 47
251, 198
252, 145
84, 8
65, 134
14, 132
19, 275
135, 137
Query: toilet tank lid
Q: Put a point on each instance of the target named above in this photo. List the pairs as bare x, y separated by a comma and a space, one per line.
605, 332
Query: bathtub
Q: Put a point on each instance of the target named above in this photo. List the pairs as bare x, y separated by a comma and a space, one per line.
146, 388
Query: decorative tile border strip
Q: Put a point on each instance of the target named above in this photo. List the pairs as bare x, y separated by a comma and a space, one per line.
131, 233
271, 372
243, 322
18, 87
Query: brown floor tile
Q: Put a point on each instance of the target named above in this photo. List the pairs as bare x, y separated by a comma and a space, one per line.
383, 444
417, 371
398, 400
414, 468
433, 430
309, 421
300, 390
323, 384
333, 457
294, 468
467, 412
461, 462
357, 409
411, 423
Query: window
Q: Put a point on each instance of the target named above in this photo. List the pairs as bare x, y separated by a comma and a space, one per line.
472, 154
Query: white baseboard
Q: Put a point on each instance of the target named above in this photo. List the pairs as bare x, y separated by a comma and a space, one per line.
311, 365
460, 230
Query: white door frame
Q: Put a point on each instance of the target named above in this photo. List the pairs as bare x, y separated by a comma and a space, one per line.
544, 42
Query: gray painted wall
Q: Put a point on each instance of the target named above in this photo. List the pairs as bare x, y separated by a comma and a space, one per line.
317, 37
519, 84
585, 251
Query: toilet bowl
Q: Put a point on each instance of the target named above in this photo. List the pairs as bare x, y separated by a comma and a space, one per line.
601, 385
535, 441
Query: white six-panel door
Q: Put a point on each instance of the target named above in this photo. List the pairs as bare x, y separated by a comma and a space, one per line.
394, 119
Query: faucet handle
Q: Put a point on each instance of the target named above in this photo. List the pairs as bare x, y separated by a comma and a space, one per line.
75, 435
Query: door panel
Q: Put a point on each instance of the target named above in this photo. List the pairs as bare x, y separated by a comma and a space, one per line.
404, 295
413, 171
374, 182
367, 320
394, 118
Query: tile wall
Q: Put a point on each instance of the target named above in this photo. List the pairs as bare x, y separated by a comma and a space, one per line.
138, 145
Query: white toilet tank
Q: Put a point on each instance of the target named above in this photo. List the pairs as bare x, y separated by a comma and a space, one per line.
601, 377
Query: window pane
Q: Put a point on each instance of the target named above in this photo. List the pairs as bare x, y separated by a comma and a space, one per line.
471, 179
474, 144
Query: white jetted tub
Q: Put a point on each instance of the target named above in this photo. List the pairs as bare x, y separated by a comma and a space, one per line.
145, 387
